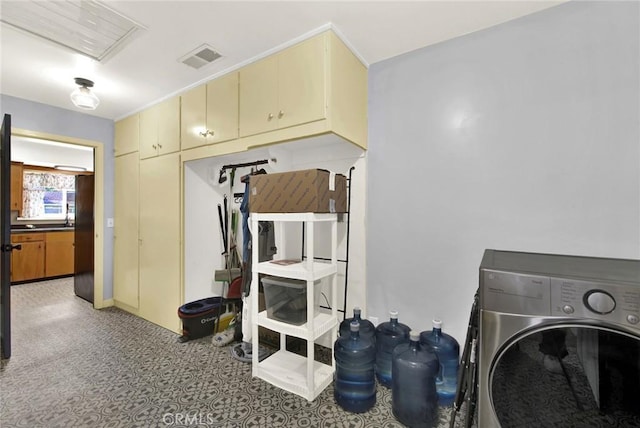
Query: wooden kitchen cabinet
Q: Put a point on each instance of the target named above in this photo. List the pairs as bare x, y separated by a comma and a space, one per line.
17, 169
59, 253
127, 135
285, 89
160, 249
160, 129
28, 262
125, 244
209, 113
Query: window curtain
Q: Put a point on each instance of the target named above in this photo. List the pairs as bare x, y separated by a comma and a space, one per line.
34, 186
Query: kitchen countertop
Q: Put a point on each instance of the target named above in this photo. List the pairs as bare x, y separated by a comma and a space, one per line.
41, 228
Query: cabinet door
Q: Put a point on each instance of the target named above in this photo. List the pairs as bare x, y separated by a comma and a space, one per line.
259, 97
193, 121
169, 126
125, 245
59, 254
16, 187
127, 135
28, 263
149, 132
222, 109
301, 83
160, 240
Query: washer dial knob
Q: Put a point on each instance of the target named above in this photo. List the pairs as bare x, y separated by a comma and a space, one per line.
599, 301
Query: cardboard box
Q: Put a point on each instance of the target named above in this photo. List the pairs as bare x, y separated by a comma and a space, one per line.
309, 190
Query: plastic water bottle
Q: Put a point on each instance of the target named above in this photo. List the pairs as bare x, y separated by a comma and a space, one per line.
388, 336
448, 351
414, 400
355, 383
367, 329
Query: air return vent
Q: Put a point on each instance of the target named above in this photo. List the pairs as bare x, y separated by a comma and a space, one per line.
200, 56
89, 27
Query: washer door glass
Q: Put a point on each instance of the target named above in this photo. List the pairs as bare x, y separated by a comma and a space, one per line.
568, 377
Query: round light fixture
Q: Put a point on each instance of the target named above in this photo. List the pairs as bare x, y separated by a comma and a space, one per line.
82, 97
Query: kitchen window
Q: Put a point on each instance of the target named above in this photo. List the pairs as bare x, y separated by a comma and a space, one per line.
48, 196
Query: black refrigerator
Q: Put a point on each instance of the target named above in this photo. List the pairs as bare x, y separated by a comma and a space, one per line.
84, 238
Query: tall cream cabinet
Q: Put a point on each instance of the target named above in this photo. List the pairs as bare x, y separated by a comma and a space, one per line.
127, 135
125, 246
160, 129
209, 112
159, 232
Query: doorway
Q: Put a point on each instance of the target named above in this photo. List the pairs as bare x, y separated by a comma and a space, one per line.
98, 239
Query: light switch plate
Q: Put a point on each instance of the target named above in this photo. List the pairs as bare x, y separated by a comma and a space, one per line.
109, 222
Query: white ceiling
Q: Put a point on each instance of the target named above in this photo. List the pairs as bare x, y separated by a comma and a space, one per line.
147, 70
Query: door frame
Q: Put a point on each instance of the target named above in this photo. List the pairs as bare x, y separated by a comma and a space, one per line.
98, 172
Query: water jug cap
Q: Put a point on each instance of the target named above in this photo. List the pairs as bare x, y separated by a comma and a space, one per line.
354, 326
414, 335
437, 324
393, 314
357, 310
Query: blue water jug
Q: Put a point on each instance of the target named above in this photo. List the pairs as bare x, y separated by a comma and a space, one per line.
367, 329
448, 352
388, 336
354, 378
414, 400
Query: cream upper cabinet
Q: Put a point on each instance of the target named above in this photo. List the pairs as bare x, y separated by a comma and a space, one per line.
160, 129
160, 248
125, 244
285, 89
127, 135
209, 113
259, 97
301, 84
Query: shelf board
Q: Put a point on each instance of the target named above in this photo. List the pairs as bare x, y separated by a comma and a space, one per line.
322, 323
318, 270
313, 217
288, 371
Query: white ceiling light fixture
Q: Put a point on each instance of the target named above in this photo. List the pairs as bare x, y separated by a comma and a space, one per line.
85, 26
82, 97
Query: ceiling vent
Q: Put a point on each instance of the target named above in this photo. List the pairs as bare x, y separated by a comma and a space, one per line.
200, 56
88, 27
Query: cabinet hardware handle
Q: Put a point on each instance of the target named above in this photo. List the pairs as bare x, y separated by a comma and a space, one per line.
154, 146
159, 145
280, 114
203, 133
270, 116
210, 133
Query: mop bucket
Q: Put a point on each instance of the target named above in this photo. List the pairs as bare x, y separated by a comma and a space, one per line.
203, 317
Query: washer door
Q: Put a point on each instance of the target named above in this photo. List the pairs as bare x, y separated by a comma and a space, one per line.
568, 376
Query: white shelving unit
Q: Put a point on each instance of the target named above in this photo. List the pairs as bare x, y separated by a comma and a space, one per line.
300, 375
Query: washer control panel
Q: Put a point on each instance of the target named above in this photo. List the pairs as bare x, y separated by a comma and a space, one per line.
584, 299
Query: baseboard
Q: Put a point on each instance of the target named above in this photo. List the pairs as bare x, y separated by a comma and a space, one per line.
107, 303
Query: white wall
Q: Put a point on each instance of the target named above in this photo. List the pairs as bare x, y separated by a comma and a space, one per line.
50, 154
203, 246
524, 136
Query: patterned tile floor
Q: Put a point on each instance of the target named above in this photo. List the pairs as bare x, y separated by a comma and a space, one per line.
73, 366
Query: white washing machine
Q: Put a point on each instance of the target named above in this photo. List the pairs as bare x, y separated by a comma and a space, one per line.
559, 341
